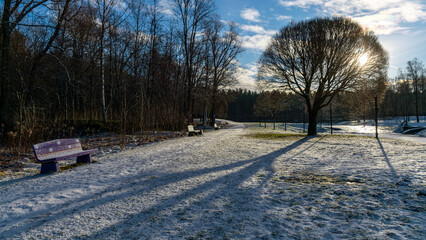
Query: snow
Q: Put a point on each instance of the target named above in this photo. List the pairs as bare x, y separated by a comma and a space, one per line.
389, 128
226, 184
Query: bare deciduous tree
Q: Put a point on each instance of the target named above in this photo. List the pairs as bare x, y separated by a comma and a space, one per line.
105, 12
270, 103
319, 58
191, 14
224, 48
415, 71
13, 14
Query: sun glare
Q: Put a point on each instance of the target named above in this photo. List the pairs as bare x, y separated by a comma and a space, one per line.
363, 59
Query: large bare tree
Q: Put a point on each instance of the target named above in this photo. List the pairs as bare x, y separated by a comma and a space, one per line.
415, 71
191, 14
105, 10
14, 12
224, 47
319, 58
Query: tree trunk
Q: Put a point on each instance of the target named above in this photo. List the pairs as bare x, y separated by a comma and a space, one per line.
273, 121
204, 113
102, 73
312, 126
285, 120
189, 99
213, 110
416, 94
4, 64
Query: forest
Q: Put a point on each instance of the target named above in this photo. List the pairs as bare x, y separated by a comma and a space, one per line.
74, 67
70, 65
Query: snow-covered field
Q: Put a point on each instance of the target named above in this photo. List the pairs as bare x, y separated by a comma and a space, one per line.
227, 185
386, 128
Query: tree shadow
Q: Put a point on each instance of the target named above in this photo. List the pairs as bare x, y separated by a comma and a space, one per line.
136, 185
392, 169
236, 178
308, 147
11, 182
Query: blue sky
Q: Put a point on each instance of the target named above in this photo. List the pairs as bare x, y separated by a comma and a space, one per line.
400, 25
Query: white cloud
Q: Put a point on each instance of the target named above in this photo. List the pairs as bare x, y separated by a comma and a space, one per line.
381, 23
166, 8
383, 17
257, 29
247, 77
257, 42
121, 5
300, 3
283, 17
250, 14
410, 12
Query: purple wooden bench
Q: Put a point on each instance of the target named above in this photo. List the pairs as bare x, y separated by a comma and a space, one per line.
49, 153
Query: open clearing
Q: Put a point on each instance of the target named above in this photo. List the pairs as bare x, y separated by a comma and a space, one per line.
227, 184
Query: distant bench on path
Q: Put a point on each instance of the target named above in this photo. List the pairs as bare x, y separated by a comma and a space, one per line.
192, 131
49, 153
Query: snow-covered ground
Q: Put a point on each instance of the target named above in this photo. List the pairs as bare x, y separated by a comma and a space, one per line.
385, 128
226, 184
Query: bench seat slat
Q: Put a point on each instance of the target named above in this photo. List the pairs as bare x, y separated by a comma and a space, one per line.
67, 155
55, 149
56, 143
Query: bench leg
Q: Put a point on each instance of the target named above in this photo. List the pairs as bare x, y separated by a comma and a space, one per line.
50, 167
84, 159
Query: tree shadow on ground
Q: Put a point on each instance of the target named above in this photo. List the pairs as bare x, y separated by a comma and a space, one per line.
142, 183
392, 169
9, 183
248, 170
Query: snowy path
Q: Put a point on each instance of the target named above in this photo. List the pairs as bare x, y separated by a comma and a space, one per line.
227, 185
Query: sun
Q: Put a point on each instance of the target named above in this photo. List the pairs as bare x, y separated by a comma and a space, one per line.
363, 59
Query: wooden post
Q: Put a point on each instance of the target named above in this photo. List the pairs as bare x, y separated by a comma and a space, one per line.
303, 114
375, 116
273, 122
331, 118
285, 120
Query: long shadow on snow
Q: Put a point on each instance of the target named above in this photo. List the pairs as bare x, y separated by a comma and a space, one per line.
127, 184
387, 159
264, 162
18, 180
137, 187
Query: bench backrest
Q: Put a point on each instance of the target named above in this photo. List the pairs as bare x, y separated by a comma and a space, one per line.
191, 128
44, 150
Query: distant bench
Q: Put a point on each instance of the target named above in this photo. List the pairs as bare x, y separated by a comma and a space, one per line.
192, 131
49, 153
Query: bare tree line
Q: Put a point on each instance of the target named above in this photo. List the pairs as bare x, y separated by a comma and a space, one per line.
128, 64
406, 93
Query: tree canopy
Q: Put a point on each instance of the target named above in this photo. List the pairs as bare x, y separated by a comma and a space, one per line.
319, 58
